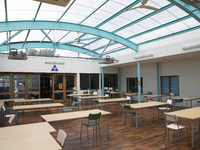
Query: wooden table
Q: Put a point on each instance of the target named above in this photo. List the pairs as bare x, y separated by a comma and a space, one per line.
115, 93
187, 99
155, 96
145, 105
75, 115
25, 130
76, 95
191, 114
112, 101
32, 100
38, 106
42, 141
29, 136
91, 97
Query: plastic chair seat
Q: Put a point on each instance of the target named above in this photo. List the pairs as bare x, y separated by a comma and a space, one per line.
131, 113
66, 110
164, 108
90, 124
175, 127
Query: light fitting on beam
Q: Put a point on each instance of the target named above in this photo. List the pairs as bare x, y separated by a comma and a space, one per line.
189, 47
144, 56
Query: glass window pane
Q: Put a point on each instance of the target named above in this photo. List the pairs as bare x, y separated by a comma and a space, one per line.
58, 96
19, 84
164, 85
94, 81
33, 83
4, 83
4, 96
84, 81
19, 95
106, 80
33, 96
58, 82
69, 82
114, 81
174, 85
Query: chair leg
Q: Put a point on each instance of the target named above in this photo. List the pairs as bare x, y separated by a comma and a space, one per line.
87, 135
81, 132
99, 132
177, 139
164, 135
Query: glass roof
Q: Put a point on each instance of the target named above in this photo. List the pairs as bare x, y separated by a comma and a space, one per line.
91, 28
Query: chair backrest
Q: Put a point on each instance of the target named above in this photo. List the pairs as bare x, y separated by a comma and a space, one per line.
96, 101
171, 118
169, 101
3, 108
95, 93
171, 94
94, 116
128, 97
73, 104
180, 100
61, 137
106, 95
12, 117
127, 107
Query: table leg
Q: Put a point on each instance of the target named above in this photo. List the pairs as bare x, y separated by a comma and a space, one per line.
199, 124
16, 117
167, 131
192, 133
83, 104
186, 104
136, 119
108, 127
57, 109
123, 114
191, 103
153, 111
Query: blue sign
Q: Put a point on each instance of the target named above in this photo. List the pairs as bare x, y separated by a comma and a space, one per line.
54, 68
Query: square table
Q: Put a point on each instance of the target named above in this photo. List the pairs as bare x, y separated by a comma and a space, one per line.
145, 105
155, 96
91, 97
37, 106
32, 100
76, 95
74, 115
191, 114
187, 99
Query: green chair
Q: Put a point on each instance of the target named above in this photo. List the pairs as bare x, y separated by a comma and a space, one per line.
127, 109
70, 109
97, 103
95, 118
178, 103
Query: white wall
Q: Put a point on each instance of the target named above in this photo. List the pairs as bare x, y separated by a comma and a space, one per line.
187, 69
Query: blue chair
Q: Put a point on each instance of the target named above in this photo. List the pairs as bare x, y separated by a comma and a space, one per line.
178, 103
70, 109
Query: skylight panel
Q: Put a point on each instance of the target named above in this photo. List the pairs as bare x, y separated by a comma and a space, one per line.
2, 36
50, 12
149, 36
162, 32
177, 12
101, 15
20, 37
160, 3
125, 33
138, 40
164, 17
119, 21
177, 27
36, 35
97, 44
109, 27
191, 22
21, 10
148, 23
132, 15
71, 36
125, 3
112, 7
72, 18
2, 11
136, 28
88, 3
92, 22
55, 35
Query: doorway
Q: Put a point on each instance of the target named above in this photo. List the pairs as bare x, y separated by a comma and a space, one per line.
46, 86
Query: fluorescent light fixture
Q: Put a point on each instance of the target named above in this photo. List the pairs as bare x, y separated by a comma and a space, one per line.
144, 56
55, 63
189, 47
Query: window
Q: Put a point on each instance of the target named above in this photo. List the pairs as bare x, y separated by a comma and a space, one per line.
33, 83
89, 81
132, 84
58, 82
170, 84
4, 83
111, 80
69, 82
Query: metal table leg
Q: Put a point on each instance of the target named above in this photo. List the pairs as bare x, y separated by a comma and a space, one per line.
136, 120
16, 122
108, 127
192, 133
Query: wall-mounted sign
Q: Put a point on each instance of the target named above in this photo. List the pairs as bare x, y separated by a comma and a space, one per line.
54, 68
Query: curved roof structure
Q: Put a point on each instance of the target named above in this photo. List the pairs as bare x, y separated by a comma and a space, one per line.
93, 28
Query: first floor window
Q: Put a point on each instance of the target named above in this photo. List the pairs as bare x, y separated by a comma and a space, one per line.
170, 84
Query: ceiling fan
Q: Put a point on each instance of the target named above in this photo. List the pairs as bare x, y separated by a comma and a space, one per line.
143, 6
79, 42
